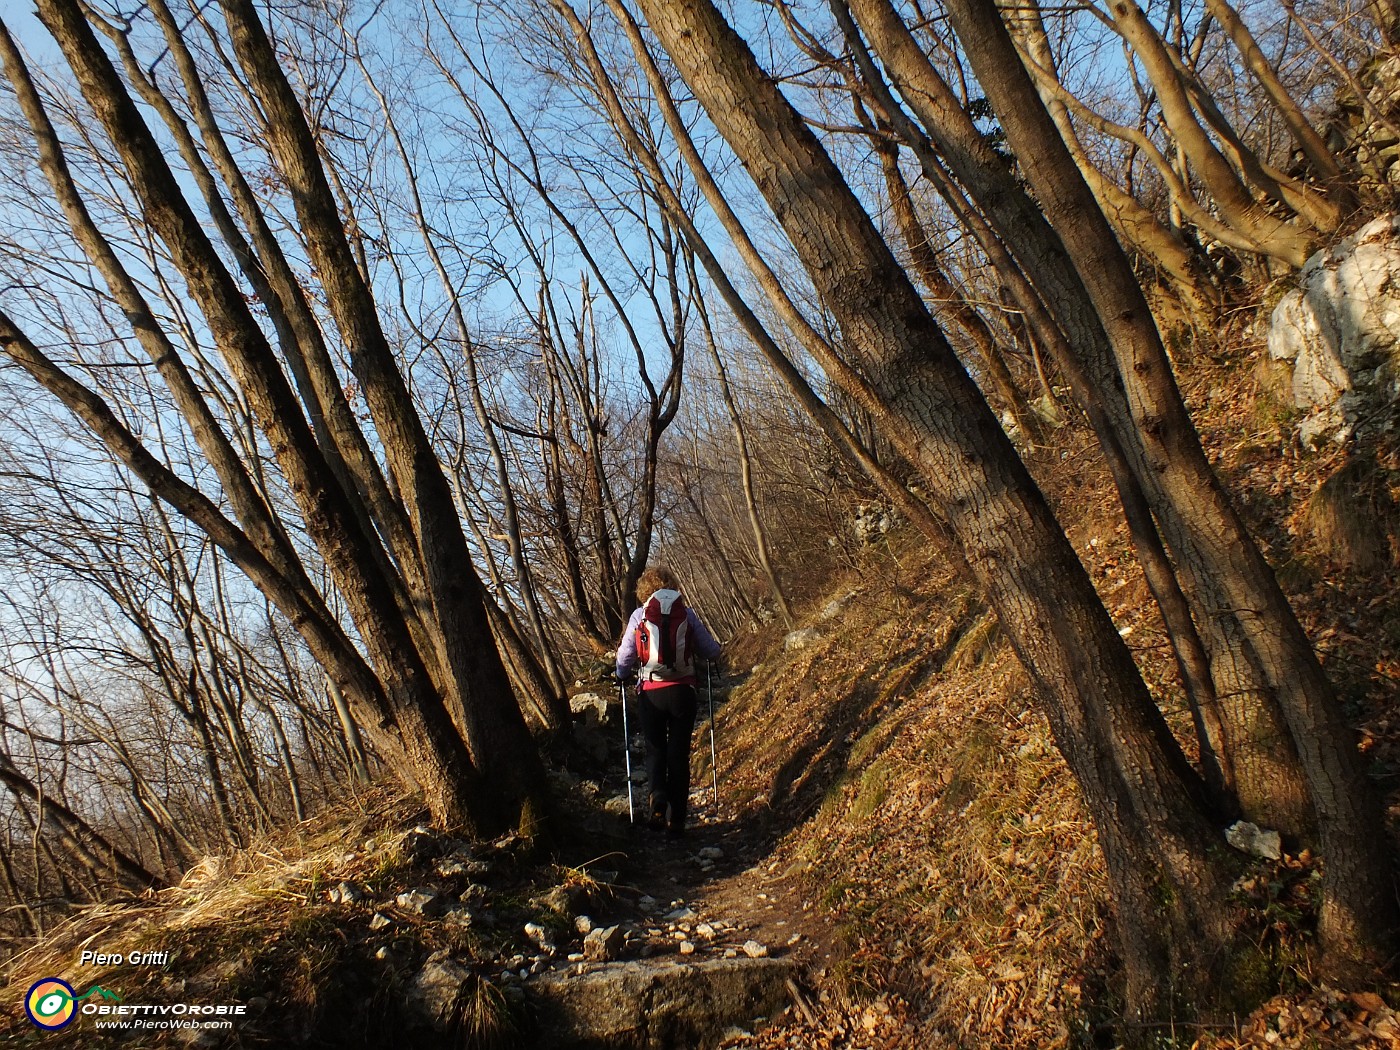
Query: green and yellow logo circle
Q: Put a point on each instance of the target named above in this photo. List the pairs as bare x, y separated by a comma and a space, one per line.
50, 1003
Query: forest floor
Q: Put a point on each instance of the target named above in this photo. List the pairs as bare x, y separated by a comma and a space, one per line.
892, 815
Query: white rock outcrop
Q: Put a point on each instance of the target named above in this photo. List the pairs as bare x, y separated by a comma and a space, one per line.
1252, 839
593, 706
1340, 331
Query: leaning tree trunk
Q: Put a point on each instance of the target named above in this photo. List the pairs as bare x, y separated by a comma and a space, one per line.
949, 299
1138, 227
1359, 920
493, 727
1267, 775
832, 426
762, 546
1134, 779
439, 762
85, 844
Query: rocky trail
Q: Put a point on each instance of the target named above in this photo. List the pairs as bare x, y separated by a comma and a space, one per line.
693, 952
710, 939
695, 941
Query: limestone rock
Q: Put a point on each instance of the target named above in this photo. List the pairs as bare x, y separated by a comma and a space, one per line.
434, 992
590, 741
592, 706
603, 944
565, 901
422, 901
1252, 839
618, 804
346, 893
873, 521
1340, 331
755, 950
540, 936
460, 914
801, 639
836, 606
655, 1005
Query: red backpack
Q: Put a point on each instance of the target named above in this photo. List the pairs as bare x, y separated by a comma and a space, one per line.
663, 639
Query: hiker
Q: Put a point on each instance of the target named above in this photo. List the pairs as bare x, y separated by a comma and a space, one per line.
662, 641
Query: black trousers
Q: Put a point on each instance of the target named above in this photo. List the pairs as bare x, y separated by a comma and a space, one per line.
668, 722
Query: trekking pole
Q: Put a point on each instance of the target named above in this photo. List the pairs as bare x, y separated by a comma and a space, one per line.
626, 749
714, 760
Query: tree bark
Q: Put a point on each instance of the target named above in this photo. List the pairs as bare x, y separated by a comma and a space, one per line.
1360, 919
762, 546
1135, 781
1267, 775
1137, 227
1307, 137
841, 436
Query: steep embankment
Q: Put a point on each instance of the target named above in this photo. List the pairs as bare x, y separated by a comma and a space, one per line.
921, 812
922, 818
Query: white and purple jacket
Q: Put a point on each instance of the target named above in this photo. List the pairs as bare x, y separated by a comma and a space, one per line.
699, 640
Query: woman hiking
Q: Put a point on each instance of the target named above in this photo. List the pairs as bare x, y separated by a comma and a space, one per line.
661, 643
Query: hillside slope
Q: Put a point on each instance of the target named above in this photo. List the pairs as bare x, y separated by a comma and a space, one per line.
892, 816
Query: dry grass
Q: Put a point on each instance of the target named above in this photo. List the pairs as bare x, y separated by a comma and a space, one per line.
252, 923
290, 868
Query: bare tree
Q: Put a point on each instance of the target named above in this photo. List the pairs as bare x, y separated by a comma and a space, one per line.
458, 726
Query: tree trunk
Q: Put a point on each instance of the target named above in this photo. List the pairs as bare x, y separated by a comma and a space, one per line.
949, 299
1136, 225
350, 733
1268, 777
1304, 134
1135, 781
1359, 920
88, 846
741, 448
441, 766
847, 443
1212, 734
1274, 236
493, 727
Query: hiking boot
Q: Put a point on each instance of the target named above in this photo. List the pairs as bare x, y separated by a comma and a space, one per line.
658, 819
675, 831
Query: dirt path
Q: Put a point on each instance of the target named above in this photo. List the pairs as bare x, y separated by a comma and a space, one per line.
721, 890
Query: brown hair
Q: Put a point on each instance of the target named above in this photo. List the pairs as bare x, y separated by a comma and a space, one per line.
655, 578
